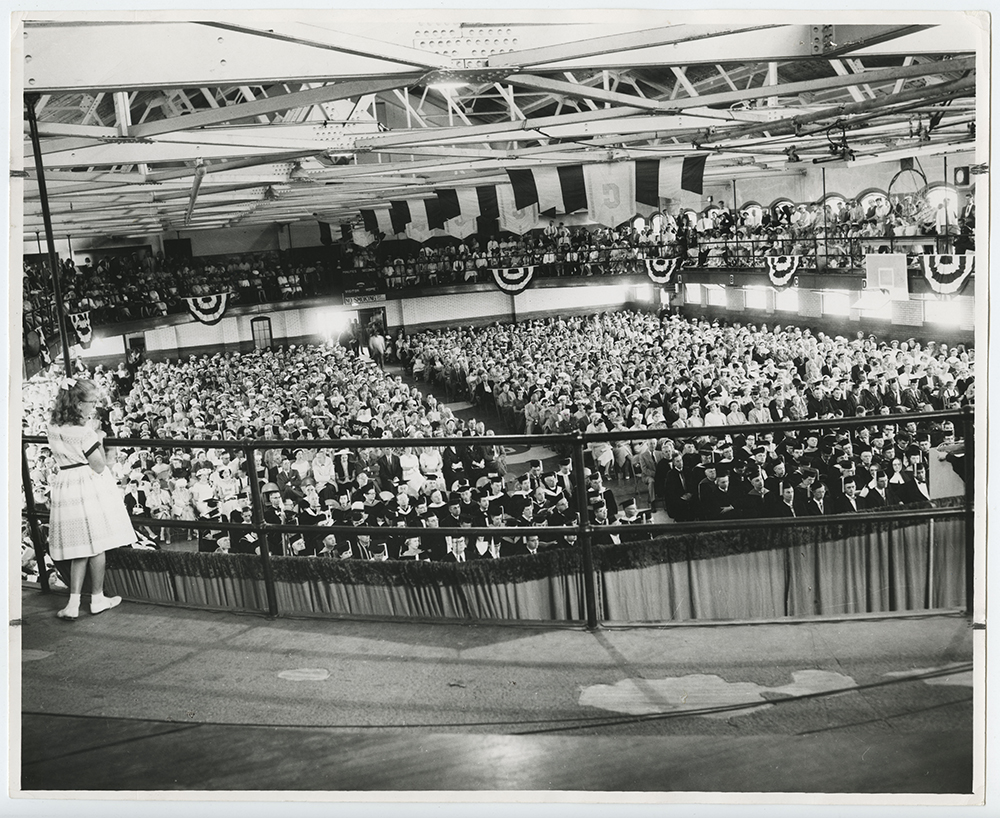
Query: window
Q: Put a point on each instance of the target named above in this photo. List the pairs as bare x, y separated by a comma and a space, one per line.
716, 295
787, 300
756, 297
260, 328
872, 199
692, 293
942, 312
836, 302
752, 214
944, 195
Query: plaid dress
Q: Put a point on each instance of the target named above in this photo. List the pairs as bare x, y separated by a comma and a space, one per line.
88, 513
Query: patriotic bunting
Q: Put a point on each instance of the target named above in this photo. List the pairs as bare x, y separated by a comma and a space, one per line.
947, 274
661, 270
208, 309
81, 324
513, 280
781, 269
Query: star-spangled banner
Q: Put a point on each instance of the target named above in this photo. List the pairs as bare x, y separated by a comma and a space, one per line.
208, 309
661, 270
947, 274
781, 269
513, 280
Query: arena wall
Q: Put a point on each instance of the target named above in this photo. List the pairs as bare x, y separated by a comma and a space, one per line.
315, 321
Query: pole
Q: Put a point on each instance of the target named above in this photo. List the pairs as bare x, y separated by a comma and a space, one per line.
589, 582
970, 511
258, 524
30, 100
36, 534
826, 238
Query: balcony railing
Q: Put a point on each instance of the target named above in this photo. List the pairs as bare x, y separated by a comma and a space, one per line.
885, 521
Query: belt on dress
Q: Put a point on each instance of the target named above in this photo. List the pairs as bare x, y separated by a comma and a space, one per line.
73, 466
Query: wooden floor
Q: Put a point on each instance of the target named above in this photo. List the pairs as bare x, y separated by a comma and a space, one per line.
148, 699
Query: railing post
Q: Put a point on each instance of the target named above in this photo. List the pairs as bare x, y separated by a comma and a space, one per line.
589, 581
258, 524
36, 534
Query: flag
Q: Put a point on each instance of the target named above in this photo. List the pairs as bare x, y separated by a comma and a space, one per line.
512, 218
419, 227
361, 237
610, 190
947, 274
680, 180
399, 215
489, 206
513, 280
560, 189
522, 182
449, 204
377, 221
208, 309
81, 324
463, 223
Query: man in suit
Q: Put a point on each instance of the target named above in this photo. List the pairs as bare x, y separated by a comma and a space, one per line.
565, 479
817, 504
881, 495
389, 470
784, 505
756, 502
677, 491
848, 502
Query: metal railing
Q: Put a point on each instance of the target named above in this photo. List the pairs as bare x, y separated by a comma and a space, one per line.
585, 530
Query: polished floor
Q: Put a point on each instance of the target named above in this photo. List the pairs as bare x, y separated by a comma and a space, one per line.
149, 698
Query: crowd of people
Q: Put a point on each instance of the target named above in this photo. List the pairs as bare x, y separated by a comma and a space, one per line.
116, 288
619, 371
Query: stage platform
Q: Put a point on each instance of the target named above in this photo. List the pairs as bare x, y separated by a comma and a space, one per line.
148, 698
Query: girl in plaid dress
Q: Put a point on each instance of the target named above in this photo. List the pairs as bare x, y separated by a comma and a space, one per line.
88, 514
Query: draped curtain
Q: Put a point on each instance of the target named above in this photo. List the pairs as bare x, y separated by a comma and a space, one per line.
837, 569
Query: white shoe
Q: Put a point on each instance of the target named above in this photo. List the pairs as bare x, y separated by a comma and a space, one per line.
68, 615
105, 604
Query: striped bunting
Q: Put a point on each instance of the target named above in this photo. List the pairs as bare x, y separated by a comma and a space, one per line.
208, 309
513, 280
781, 269
81, 324
947, 274
661, 270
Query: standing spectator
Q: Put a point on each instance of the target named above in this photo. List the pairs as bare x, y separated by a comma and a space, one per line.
88, 513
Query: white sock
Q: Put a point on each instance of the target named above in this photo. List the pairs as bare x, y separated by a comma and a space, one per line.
73, 604
96, 597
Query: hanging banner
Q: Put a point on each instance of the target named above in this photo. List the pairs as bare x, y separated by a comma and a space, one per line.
81, 325
782, 269
661, 270
513, 280
208, 309
947, 274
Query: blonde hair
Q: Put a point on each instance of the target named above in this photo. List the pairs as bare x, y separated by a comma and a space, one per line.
71, 393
